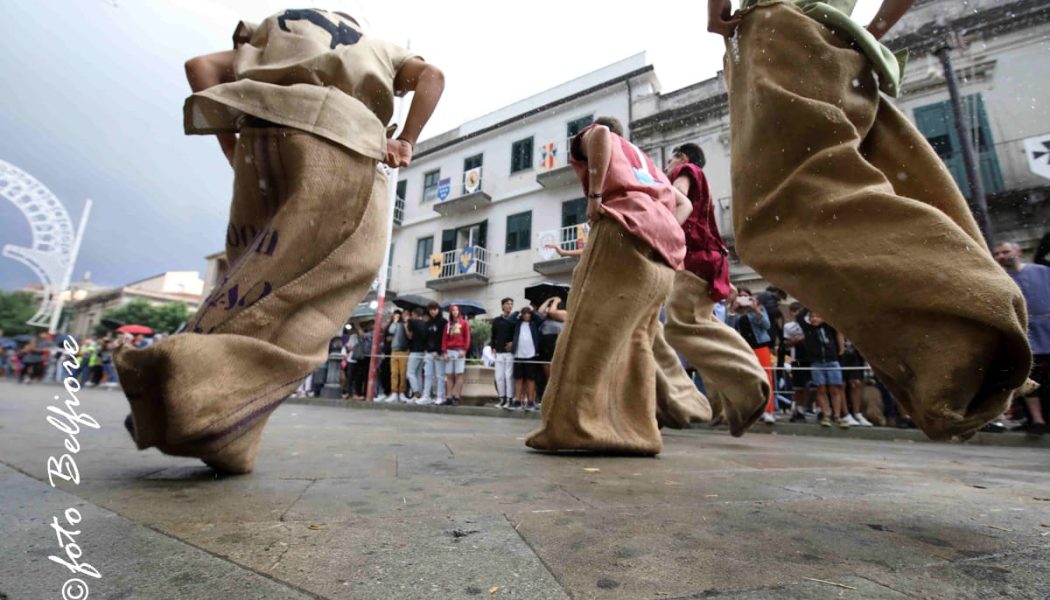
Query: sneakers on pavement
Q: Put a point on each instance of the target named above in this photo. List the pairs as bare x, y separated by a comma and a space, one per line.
843, 423
769, 419
850, 421
861, 421
797, 418
825, 422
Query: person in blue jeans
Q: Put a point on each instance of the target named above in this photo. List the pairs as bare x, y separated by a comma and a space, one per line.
433, 365
417, 346
823, 346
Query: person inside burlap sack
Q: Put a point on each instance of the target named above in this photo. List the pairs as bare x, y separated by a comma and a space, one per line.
892, 255
737, 386
310, 95
602, 393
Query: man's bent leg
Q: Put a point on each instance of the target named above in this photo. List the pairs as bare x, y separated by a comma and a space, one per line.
602, 390
268, 324
872, 203
736, 384
678, 401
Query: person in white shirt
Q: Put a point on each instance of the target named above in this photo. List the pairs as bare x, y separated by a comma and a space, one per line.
526, 367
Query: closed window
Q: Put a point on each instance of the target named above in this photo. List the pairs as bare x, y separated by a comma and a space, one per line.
578, 125
430, 185
519, 231
424, 248
521, 155
399, 202
937, 124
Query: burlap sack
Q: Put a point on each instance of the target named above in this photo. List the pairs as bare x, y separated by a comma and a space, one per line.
736, 384
678, 401
602, 390
305, 241
841, 202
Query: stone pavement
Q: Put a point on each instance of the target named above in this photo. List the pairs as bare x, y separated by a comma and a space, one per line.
395, 504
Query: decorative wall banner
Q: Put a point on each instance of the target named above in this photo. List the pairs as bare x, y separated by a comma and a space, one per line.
437, 263
582, 231
472, 180
547, 237
1037, 150
444, 188
549, 156
466, 259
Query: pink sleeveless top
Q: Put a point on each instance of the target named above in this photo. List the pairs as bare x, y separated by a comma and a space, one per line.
639, 196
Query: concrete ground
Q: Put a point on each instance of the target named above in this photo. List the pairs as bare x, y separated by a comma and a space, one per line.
398, 504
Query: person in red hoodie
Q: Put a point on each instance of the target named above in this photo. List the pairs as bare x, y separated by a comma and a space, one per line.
454, 346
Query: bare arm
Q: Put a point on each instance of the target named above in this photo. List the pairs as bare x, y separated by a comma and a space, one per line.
556, 312
562, 252
889, 13
428, 82
210, 70
597, 147
682, 206
720, 17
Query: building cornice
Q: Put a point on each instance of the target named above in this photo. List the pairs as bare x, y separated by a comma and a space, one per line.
696, 113
535, 111
992, 22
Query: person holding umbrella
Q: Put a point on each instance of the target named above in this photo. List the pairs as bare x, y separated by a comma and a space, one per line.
553, 323
454, 346
526, 368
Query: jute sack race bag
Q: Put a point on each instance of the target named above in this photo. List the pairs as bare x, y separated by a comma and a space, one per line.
305, 242
839, 200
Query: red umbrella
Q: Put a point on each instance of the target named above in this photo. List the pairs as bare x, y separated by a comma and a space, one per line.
135, 329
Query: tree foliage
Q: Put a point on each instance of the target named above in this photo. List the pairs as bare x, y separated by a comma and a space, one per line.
15, 309
161, 318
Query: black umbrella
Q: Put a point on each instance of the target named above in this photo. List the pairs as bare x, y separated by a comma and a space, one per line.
112, 324
541, 292
467, 308
411, 301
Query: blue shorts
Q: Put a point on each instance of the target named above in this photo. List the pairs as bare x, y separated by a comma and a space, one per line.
827, 373
457, 362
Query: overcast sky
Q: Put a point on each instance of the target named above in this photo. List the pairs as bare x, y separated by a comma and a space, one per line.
93, 93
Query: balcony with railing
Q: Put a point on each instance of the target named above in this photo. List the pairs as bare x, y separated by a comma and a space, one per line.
552, 167
467, 195
568, 239
455, 269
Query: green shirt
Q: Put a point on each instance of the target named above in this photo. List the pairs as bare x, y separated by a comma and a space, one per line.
835, 15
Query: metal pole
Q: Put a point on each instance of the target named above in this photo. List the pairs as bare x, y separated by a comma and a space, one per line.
53, 328
977, 201
377, 328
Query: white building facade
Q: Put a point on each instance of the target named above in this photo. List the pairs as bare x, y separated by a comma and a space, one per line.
478, 204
